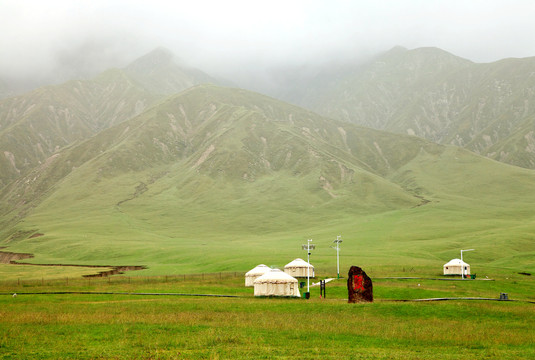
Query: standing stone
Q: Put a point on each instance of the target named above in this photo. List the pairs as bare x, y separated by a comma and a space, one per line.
359, 286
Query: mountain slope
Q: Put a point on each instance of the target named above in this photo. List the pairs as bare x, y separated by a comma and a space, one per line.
231, 134
216, 179
36, 125
430, 93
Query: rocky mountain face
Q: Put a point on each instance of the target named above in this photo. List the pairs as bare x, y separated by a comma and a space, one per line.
427, 92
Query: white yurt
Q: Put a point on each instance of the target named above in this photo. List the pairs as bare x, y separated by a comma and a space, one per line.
255, 273
298, 268
276, 283
455, 267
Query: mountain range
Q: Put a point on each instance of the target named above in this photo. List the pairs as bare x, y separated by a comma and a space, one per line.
149, 164
35, 125
430, 93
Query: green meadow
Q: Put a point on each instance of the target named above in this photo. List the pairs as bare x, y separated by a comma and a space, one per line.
421, 238
218, 179
101, 325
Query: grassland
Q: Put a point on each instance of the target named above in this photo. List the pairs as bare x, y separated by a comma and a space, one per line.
120, 326
217, 179
219, 230
422, 238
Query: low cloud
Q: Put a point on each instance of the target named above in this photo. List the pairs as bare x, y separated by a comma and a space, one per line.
233, 37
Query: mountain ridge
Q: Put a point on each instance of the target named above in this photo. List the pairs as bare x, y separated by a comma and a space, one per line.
161, 72
433, 94
35, 125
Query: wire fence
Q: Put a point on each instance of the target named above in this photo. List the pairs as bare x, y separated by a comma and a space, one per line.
121, 279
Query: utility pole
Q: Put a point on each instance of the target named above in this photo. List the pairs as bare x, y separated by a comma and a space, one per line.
462, 264
308, 247
337, 248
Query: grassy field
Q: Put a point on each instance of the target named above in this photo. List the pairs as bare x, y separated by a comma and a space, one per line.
120, 326
425, 237
222, 231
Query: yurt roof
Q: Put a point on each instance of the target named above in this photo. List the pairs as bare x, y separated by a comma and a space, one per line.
259, 270
454, 262
275, 276
297, 263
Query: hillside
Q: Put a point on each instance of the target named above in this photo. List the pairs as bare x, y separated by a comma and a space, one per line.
35, 125
216, 179
233, 135
427, 92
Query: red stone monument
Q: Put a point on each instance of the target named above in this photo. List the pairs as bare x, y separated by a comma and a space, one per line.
359, 286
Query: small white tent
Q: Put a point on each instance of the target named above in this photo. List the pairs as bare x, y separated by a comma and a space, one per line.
456, 267
255, 273
298, 268
276, 283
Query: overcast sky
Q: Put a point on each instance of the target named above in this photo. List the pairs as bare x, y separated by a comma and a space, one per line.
40, 36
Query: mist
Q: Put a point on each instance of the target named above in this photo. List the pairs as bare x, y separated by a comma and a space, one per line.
245, 41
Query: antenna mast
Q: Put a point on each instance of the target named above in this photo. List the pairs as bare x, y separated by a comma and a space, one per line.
337, 248
308, 247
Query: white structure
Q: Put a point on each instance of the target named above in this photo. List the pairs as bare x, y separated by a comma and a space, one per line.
337, 243
276, 283
298, 268
255, 273
456, 267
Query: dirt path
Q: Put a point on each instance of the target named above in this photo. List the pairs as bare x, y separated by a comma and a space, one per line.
7, 257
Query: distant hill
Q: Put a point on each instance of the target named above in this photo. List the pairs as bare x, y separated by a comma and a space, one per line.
427, 92
197, 177
35, 125
161, 72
